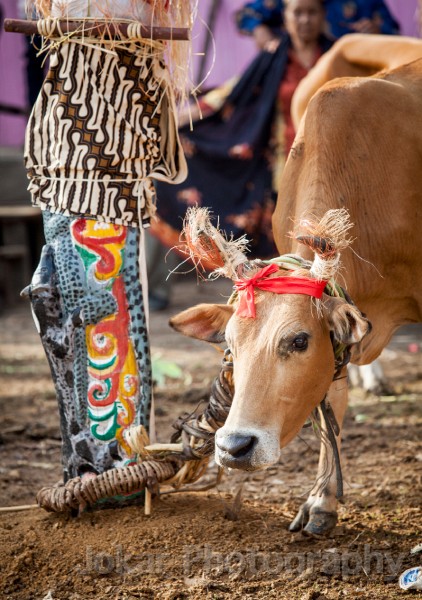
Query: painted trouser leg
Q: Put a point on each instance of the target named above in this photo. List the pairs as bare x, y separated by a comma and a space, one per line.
94, 145
318, 515
88, 303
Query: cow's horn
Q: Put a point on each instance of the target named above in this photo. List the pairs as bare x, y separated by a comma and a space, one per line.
327, 237
207, 244
318, 244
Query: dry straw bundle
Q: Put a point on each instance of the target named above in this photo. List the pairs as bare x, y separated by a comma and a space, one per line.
123, 21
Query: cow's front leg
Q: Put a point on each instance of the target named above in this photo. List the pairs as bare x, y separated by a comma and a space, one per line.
318, 515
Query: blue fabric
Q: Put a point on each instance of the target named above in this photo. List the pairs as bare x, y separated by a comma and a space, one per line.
260, 12
340, 14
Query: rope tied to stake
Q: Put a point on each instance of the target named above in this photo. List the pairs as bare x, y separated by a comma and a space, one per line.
181, 462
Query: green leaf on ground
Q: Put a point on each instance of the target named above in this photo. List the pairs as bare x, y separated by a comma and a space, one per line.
163, 369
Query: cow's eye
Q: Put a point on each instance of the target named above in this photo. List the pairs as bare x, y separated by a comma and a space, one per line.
300, 342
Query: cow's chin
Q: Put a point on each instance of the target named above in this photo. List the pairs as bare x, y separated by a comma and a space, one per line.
246, 449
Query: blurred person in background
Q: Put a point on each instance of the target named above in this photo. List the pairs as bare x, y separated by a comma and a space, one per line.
232, 153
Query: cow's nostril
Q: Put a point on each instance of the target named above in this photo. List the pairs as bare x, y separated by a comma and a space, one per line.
236, 445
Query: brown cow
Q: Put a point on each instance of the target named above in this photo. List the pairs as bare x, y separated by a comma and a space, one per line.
357, 55
359, 147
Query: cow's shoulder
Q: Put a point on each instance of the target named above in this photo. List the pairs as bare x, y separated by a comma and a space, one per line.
409, 76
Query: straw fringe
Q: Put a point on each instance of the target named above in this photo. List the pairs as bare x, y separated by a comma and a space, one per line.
333, 227
328, 237
208, 243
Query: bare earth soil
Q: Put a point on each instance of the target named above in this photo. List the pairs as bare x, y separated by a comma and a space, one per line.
227, 542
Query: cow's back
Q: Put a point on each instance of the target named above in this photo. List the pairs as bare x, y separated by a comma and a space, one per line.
359, 146
354, 55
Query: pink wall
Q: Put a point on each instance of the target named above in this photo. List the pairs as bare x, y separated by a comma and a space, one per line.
12, 83
405, 12
234, 51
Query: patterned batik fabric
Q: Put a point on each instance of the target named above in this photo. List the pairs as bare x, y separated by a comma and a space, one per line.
102, 129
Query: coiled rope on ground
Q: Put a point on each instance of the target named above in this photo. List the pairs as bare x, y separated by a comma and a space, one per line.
181, 462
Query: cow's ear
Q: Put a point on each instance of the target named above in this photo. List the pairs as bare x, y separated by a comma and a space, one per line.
204, 322
346, 321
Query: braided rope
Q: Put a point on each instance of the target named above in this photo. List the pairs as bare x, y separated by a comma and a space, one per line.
78, 493
203, 428
184, 462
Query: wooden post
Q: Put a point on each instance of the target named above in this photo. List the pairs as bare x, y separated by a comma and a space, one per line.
109, 29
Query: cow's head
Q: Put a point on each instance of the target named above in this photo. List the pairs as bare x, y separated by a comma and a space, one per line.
283, 357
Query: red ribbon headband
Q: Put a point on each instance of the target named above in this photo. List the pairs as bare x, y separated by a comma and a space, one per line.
278, 285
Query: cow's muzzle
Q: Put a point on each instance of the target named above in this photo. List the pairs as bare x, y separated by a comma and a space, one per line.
235, 451
247, 449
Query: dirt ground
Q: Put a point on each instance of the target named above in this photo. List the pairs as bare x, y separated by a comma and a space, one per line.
209, 545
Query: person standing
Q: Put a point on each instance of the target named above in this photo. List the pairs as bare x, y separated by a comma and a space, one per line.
102, 129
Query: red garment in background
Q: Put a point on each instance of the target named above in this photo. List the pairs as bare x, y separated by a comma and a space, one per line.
295, 71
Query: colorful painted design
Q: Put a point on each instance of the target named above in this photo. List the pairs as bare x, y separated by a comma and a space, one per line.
88, 302
113, 378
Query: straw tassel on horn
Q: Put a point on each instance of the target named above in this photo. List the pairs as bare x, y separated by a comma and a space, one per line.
327, 237
207, 243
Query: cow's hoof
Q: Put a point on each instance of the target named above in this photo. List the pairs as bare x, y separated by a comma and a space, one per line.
320, 522
301, 519
313, 521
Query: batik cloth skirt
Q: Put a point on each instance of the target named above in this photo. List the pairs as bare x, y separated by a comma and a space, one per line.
102, 129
